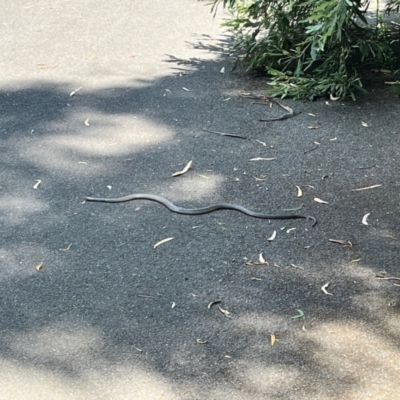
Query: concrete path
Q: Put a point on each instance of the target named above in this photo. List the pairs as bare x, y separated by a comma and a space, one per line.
109, 98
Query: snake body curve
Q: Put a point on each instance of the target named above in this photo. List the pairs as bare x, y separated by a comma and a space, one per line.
198, 211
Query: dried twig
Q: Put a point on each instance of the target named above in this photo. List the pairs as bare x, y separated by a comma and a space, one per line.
225, 134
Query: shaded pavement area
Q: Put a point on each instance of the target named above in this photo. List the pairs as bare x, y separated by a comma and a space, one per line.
107, 99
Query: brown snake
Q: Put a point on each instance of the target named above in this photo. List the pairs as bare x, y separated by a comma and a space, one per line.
198, 211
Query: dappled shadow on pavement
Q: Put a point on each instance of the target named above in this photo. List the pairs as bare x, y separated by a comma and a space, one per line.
90, 309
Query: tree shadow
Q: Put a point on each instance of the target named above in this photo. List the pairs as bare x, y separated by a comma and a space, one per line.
105, 300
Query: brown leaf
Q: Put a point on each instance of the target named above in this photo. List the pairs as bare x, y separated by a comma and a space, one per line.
343, 242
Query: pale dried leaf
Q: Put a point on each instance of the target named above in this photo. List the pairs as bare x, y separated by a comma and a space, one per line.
366, 188
186, 169
299, 315
340, 241
39, 267
188, 90
356, 260
272, 237
253, 278
87, 122
74, 91
273, 339
299, 191
323, 288
313, 115
364, 219
320, 201
173, 305
333, 98
222, 70
225, 312
212, 303
163, 241
199, 341
393, 83
261, 259
262, 159
312, 126
364, 124
36, 185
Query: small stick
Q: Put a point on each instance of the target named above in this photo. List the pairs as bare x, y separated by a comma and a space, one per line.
389, 278
225, 134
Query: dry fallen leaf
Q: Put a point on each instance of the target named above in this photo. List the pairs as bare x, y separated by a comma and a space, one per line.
67, 248
366, 188
340, 241
222, 70
74, 91
299, 315
173, 305
272, 237
36, 185
262, 159
186, 169
273, 339
212, 303
355, 260
299, 191
39, 267
199, 341
364, 123
364, 220
391, 237
323, 288
333, 98
87, 122
225, 312
320, 201
163, 241
312, 126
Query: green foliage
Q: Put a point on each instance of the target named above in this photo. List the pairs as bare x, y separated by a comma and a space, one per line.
310, 47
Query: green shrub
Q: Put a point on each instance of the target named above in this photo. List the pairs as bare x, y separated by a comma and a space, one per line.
310, 47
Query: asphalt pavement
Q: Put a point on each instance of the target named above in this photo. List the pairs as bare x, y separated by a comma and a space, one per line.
132, 301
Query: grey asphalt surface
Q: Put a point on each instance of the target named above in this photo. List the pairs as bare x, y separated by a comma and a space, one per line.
89, 309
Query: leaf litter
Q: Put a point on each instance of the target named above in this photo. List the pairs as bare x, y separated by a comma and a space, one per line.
162, 242
186, 169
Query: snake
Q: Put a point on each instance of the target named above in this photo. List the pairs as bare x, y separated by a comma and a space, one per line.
198, 211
